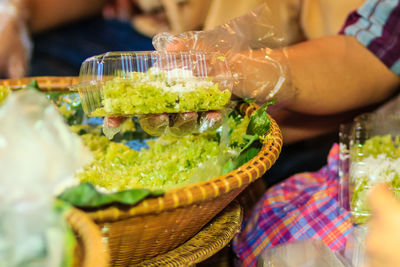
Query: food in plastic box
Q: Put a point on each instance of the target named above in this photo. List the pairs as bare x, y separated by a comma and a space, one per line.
138, 83
376, 161
373, 156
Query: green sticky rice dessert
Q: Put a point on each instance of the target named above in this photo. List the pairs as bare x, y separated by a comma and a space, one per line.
158, 91
169, 162
4, 91
376, 161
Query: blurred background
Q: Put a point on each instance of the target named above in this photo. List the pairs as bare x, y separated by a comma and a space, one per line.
123, 25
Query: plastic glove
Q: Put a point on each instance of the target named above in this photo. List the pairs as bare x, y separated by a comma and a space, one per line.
175, 124
181, 123
252, 46
15, 45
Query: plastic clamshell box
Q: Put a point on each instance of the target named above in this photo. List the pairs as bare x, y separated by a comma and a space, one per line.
369, 155
137, 83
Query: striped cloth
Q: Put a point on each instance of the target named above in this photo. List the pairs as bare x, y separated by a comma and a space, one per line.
376, 25
305, 206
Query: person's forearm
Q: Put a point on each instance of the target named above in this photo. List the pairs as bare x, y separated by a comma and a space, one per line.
296, 126
336, 74
45, 14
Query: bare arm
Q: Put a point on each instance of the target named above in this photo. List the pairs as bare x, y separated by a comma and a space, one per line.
45, 14
336, 74
298, 126
335, 78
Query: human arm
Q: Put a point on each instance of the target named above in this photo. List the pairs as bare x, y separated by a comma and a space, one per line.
331, 79
299, 126
46, 14
327, 77
337, 74
334, 79
371, 58
20, 18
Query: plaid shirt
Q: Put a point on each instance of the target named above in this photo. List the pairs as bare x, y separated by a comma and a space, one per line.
305, 206
376, 25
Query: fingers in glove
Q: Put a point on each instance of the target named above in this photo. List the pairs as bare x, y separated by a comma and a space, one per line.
183, 123
179, 124
210, 120
154, 124
114, 122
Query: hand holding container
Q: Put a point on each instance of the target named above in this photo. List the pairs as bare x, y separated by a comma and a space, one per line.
154, 82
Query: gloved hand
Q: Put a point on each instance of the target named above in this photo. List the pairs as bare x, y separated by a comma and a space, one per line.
252, 45
181, 123
15, 45
173, 124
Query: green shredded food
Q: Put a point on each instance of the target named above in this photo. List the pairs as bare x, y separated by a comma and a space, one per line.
376, 161
153, 92
239, 129
167, 163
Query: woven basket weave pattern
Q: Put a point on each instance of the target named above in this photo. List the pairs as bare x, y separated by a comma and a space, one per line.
45, 83
212, 238
90, 250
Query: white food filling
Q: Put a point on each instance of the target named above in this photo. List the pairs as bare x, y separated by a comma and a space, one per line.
378, 169
176, 80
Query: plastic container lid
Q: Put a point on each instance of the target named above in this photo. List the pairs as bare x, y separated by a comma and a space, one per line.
151, 82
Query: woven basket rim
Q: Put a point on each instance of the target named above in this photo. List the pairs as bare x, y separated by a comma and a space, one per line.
189, 194
95, 252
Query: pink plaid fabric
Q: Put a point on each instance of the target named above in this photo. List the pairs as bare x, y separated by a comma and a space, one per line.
305, 206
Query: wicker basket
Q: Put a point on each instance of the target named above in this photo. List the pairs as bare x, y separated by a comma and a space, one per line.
90, 250
212, 238
158, 225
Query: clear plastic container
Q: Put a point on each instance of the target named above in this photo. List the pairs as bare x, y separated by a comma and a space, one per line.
369, 155
301, 253
355, 250
153, 82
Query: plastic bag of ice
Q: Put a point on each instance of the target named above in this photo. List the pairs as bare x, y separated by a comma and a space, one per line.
38, 154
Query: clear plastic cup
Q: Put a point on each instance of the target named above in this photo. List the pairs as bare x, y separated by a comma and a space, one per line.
153, 82
369, 155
